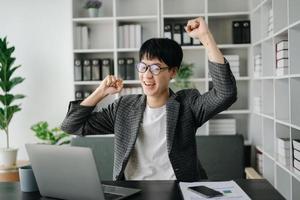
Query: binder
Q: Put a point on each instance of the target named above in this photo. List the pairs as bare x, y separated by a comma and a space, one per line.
186, 39
122, 68
246, 31
87, 70
177, 33
95, 70
236, 32
168, 31
77, 70
105, 68
130, 69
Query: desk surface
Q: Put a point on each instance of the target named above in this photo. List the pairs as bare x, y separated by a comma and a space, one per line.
158, 190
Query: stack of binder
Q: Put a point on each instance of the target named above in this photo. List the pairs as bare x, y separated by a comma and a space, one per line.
296, 155
257, 66
222, 127
283, 150
130, 36
241, 32
234, 61
282, 60
126, 69
81, 37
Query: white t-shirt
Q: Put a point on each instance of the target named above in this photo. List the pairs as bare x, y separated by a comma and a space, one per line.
149, 159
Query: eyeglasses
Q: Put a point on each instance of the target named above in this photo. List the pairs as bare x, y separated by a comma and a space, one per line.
154, 69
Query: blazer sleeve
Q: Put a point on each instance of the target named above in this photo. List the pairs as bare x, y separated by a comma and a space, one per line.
220, 97
82, 120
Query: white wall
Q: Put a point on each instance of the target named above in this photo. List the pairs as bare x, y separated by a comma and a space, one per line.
41, 31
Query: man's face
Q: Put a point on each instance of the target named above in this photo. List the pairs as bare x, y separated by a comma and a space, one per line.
156, 85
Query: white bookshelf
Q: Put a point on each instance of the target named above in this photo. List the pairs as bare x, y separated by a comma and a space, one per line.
152, 15
279, 115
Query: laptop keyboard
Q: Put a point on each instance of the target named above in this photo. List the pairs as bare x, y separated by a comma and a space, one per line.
110, 196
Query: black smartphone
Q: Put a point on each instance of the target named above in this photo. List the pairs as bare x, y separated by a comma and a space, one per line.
205, 191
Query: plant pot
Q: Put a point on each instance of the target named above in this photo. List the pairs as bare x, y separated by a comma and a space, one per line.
95, 12
8, 157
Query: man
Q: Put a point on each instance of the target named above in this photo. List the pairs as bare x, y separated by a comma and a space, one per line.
155, 132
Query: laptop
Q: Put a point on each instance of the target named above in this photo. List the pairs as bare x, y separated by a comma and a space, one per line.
68, 172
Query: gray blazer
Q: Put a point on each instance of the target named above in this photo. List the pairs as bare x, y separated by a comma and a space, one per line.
186, 111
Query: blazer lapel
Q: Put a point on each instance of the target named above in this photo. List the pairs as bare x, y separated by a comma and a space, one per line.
135, 118
172, 109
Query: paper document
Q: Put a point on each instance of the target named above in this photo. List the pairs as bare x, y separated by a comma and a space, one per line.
229, 189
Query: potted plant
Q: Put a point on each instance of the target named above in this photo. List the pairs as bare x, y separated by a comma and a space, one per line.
52, 136
183, 74
8, 155
93, 7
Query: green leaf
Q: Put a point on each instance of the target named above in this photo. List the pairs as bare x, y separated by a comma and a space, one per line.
9, 111
6, 86
7, 99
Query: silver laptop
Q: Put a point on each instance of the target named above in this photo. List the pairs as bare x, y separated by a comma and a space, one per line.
67, 172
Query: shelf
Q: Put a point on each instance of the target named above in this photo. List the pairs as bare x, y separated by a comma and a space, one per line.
245, 111
93, 50
137, 18
224, 14
93, 20
191, 15
128, 50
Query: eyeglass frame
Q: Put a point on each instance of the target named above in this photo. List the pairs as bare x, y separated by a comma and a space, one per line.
149, 67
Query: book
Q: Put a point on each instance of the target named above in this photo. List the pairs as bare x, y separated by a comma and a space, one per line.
168, 31
78, 37
85, 37
138, 36
132, 37
130, 70
87, 69
177, 33
126, 36
77, 70
121, 36
122, 68
296, 144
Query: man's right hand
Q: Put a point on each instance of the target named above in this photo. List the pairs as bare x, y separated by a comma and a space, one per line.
110, 85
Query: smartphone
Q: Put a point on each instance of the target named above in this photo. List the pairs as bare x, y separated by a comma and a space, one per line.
205, 191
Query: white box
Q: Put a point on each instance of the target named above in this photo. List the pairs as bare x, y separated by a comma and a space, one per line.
296, 144
282, 54
296, 154
297, 164
282, 45
282, 63
283, 143
282, 71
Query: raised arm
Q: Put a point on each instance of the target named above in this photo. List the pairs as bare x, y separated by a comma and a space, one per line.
224, 92
80, 118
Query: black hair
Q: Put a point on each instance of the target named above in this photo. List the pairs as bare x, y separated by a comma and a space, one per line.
163, 49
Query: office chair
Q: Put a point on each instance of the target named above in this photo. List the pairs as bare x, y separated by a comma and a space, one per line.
103, 151
222, 156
